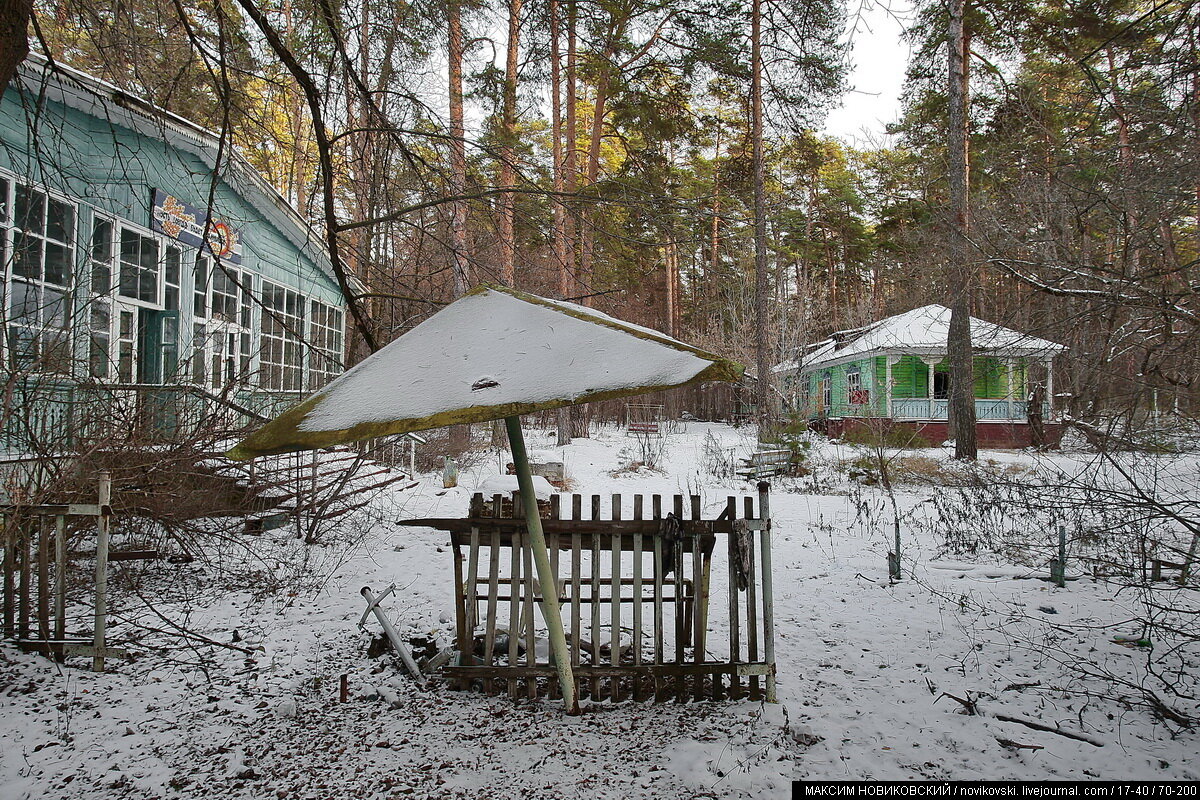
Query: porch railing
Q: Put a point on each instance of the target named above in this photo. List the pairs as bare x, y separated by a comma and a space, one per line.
931, 409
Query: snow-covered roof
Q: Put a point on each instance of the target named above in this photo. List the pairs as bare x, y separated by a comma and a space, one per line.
922, 331
493, 353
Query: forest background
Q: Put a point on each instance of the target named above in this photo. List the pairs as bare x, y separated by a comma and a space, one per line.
603, 151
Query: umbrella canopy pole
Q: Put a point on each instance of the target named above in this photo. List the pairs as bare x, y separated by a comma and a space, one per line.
537, 540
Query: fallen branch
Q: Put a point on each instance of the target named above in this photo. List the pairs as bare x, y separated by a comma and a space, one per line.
1038, 726
1009, 743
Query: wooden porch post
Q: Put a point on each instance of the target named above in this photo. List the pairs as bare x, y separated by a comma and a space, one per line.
1050, 387
929, 363
889, 385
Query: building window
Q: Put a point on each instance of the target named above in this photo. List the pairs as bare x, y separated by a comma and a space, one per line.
826, 390
43, 256
138, 272
325, 335
221, 334
100, 275
856, 395
281, 355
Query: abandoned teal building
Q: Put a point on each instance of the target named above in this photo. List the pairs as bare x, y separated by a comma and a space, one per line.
151, 277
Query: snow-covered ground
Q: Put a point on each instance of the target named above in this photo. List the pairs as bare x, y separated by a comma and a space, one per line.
866, 669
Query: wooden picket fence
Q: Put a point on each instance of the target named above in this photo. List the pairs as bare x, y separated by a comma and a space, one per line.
635, 595
34, 572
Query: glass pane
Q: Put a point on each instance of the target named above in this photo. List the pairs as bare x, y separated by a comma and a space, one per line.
126, 331
102, 240
27, 256
24, 303
98, 355
58, 264
148, 286
125, 362
149, 253
101, 318
22, 343
30, 208
171, 266
56, 351
55, 309
4, 187
171, 298
130, 246
60, 221
101, 278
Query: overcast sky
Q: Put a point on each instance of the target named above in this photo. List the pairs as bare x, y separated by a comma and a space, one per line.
878, 60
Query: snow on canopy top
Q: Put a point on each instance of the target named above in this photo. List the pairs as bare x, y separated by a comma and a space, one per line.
493, 353
922, 330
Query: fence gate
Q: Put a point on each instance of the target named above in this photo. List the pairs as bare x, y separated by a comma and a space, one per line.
636, 594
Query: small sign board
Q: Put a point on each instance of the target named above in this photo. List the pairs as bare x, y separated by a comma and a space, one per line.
186, 224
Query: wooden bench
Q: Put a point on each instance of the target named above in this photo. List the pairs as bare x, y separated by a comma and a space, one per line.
766, 464
644, 427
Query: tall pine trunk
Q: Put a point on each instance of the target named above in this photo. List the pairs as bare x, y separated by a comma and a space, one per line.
961, 410
460, 435
559, 235
508, 150
762, 352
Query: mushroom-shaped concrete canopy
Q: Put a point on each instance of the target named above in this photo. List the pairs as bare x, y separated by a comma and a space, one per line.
493, 353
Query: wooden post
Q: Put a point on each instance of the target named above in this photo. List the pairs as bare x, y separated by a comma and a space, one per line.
768, 598
102, 531
537, 542
752, 608
43, 576
60, 577
735, 644
614, 641
594, 594
576, 580
23, 580
10, 584
638, 513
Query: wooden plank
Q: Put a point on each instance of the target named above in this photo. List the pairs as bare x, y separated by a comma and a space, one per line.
680, 606
659, 632
530, 638
752, 607
489, 635
460, 608
606, 670
23, 581
459, 525
735, 645
552, 544
43, 574
60, 577
472, 588
576, 584
514, 609
698, 654
594, 594
10, 578
614, 639
638, 510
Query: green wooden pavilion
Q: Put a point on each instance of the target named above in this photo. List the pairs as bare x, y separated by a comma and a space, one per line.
895, 374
